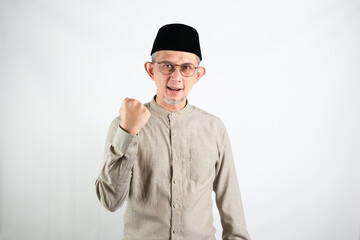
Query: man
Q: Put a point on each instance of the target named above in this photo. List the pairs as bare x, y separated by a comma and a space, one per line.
166, 157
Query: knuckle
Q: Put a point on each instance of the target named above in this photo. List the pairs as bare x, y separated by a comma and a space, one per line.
125, 102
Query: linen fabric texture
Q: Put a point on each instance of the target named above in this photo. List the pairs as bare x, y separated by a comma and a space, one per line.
167, 173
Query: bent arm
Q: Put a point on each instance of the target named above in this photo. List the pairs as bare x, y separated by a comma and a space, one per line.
113, 183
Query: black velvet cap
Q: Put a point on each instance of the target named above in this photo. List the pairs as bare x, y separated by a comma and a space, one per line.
178, 37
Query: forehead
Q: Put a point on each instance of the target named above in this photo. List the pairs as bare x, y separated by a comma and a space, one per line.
176, 56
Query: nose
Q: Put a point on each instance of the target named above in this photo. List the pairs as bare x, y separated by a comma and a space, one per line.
176, 75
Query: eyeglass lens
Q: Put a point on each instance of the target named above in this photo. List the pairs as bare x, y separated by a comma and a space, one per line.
186, 69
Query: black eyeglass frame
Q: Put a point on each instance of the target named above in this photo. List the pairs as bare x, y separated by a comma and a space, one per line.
175, 65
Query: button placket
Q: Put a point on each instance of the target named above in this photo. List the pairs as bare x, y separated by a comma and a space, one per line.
176, 175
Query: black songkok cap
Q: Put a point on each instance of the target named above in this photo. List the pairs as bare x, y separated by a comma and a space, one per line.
178, 37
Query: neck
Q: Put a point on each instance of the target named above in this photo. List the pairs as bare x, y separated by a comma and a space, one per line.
170, 107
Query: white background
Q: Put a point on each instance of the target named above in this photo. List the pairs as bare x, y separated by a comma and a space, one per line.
284, 77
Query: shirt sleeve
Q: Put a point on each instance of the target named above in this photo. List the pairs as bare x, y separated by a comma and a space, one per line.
227, 195
112, 185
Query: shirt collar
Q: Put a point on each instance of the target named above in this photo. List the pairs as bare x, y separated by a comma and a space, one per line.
164, 112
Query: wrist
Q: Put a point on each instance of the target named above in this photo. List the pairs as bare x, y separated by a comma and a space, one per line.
131, 132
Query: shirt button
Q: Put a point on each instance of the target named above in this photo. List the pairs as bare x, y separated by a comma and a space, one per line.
174, 134
175, 231
176, 206
174, 182
173, 114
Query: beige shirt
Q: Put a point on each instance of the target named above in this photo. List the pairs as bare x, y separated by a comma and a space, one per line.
167, 174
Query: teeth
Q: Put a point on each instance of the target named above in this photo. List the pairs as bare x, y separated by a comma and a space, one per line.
175, 89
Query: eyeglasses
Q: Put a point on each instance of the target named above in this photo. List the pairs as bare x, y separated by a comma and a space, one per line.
186, 69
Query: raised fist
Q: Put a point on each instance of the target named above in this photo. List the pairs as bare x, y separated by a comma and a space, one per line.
133, 116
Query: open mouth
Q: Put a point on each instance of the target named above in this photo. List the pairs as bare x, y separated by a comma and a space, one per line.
174, 89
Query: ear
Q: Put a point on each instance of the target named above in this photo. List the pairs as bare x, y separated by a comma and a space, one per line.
199, 73
149, 68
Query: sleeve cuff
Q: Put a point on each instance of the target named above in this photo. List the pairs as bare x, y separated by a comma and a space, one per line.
125, 142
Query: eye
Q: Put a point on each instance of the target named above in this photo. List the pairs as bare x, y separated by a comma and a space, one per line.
167, 65
187, 66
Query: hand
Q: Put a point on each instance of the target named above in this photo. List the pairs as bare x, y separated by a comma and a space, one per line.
133, 116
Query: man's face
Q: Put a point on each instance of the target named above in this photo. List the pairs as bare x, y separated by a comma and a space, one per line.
173, 89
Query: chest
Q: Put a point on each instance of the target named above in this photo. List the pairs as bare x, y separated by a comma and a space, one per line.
187, 147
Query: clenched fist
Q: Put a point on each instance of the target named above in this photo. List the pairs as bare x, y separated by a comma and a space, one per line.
133, 116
